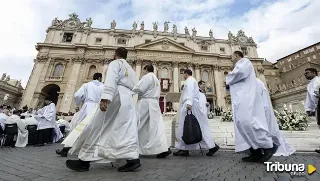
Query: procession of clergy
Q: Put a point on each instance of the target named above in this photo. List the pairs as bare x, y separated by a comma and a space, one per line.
110, 126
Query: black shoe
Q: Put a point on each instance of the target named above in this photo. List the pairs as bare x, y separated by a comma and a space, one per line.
63, 152
213, 150
268, 153
78, 165
251, 158
318, 150
181, 153
130, 166
164, 154
38, 145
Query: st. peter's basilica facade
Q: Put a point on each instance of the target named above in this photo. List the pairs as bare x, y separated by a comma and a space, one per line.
73, 51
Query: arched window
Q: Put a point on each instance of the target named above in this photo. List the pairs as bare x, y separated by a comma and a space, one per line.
164, 73
205, 76
92, 70
58, 70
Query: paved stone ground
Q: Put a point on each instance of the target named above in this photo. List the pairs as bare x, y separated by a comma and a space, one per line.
39, 164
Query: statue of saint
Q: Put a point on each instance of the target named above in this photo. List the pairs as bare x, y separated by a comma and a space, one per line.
142, 25
3, 76
186, 31
113, 24
89, 22
166, 26
174, 29
134, 26
155, 26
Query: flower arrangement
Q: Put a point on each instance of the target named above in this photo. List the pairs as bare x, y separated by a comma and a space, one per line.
227, 116
291, 120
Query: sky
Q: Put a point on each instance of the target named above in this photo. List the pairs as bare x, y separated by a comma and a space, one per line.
279, 27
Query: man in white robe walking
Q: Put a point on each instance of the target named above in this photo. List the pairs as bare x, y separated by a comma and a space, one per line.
113, 132
202, 89
251, 125
90, 94
284, 149
311, 103
152, 132
46, 118
191, 102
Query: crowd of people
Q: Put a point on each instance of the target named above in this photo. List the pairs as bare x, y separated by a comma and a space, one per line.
111, 125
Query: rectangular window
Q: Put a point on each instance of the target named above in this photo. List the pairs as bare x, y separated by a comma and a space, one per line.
147, 41
222, 50
204, 47
122, 41
181, 43
98, 40
67, 37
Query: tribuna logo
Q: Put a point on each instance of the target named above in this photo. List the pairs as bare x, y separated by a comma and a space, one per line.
294, 169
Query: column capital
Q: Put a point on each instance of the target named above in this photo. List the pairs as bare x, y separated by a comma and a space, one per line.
190, 65
155, 63
216, 67
175, 64
197, 66
139, 62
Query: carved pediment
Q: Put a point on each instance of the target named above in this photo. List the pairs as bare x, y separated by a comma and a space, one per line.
164, 44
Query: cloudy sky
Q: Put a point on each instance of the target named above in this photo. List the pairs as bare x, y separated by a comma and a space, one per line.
280, 27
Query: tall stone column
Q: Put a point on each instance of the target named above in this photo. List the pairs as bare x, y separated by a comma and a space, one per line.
190, 66
197, 72
60, 97
175, 77
33, 81
155, 68
219, 85
138, 69
71, 86
105, 67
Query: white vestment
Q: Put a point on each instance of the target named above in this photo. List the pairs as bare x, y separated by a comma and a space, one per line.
112, 134
46, 118
191, 96
30, 121
152, 133
284, 148
90, 95
62, 122
22, 139
250, 123
311, 99
3, 118
203, 103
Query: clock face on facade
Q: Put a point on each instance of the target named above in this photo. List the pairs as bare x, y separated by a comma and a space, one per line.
242, 39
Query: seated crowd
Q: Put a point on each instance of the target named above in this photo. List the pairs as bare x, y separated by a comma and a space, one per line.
19, 128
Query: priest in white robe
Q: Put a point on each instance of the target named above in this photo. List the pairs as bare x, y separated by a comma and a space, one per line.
284, 148
311, 99
22, 139
250, 123
48, 131
191, 101
311, 104
113, 132
203, 98
89, 94
152, 133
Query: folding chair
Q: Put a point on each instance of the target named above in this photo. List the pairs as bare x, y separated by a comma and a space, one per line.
32, 137
11, 131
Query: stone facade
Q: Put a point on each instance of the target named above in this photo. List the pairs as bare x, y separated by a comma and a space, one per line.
73, 51
10, 91
287, 83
